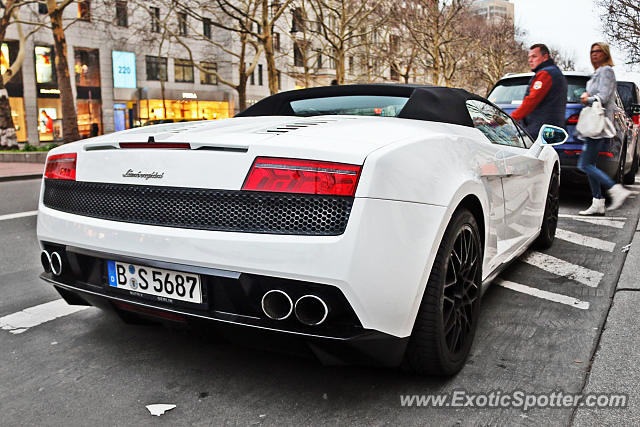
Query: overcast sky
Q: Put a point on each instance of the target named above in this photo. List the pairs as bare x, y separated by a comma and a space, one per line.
570, 26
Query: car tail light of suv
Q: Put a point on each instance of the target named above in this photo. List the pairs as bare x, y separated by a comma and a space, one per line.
61, 166
302, 176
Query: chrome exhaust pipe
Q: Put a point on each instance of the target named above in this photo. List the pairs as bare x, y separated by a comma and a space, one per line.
277, 305
311, 310
45, 260
56, 263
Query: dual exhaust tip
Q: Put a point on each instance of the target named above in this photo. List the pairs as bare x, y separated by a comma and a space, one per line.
51, 262
308, 309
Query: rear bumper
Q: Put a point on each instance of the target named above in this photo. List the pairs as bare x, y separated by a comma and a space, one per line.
356, 345
380, 264
569, 156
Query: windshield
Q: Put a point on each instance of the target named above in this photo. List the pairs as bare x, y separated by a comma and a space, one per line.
358, 105
512, 91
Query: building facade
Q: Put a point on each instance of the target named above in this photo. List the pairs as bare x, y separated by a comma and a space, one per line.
122, 73
494, 10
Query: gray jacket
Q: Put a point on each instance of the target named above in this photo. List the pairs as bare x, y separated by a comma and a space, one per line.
603, 84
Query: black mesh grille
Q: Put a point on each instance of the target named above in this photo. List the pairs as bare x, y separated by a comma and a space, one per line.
222, 210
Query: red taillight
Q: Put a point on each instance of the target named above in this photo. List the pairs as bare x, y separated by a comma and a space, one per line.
572, 152
636, 119
302, 176
605, 154
61, 166
573, 119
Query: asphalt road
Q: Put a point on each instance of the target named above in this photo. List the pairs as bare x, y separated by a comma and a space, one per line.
90, 368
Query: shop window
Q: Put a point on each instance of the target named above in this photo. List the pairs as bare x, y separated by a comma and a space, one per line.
206, 28
84, 10
208, 78
183, 70
87, 67
156, 68
155, 19
122, 18
49, 119
45, 72
89, 114
182, 23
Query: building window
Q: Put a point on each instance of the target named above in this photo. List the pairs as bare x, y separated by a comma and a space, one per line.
260, 82
87, 67
121, 14
207, 73
252, 77
279, 77
298, 59
156, 68
206, 28
43, 9
276, 42
84, 10
395, 75
319, 60
182, 23
155, 19
297, 20
183, 70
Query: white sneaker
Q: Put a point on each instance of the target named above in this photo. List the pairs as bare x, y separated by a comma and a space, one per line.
596, 208
618, 195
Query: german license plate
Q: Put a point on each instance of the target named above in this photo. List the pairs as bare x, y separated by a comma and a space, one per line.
161, 283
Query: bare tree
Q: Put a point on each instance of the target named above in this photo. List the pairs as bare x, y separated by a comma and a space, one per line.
564, 59
621, 24
435, 28
69, 119
343, 26
496, 51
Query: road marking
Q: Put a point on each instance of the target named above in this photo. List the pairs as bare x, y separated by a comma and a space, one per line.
599, 218
21, 321
602, 221
579, 239
550, 296
562, 268
18, 215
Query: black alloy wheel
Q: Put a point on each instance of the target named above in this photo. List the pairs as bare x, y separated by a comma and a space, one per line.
447, 318
550, 218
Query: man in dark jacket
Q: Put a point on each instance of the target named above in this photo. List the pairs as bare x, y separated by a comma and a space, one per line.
546, 98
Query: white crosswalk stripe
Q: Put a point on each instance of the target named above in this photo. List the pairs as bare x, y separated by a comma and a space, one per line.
18, 215
21, 321
606, 222
590, 242
550, 296
563, 268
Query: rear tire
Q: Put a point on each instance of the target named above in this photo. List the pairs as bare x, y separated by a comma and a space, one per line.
550, 218
447, 318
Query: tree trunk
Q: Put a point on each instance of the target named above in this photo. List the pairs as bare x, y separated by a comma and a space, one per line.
8, 136
241, 88
69, 118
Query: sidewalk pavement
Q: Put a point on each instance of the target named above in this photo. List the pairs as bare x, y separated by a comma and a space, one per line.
10, 171
615, 367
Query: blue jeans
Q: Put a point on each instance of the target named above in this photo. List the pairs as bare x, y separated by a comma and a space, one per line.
587, 164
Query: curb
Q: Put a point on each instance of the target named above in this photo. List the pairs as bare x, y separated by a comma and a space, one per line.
29, 157
20, 177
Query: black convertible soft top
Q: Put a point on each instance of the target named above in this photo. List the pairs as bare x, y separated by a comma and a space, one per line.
430, 103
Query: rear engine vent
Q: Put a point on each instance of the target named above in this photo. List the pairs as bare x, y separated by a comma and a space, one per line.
203, 209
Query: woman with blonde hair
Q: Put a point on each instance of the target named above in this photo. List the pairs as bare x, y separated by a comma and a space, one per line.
601, 86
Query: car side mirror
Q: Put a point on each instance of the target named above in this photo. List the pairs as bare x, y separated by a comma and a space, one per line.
552, 135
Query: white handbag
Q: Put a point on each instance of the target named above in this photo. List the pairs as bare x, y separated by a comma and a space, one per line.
593, 123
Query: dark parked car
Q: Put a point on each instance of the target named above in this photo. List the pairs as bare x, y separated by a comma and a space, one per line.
620, 162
